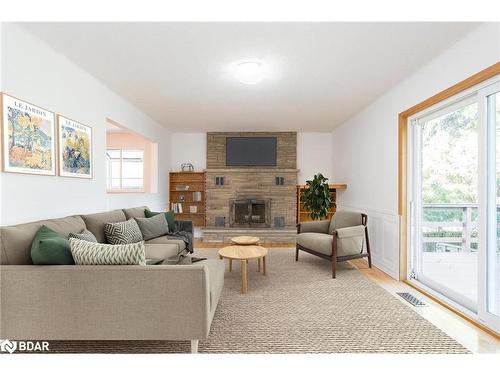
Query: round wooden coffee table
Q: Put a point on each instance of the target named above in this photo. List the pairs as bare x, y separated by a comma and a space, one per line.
245, 240
244, 254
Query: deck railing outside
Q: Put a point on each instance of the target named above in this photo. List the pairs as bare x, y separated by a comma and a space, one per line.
450, 227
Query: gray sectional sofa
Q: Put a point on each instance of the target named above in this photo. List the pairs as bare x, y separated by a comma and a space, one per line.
160, 302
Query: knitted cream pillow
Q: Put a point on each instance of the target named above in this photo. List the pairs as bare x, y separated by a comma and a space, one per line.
90, 253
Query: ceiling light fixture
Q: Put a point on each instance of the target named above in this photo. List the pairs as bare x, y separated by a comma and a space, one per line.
249, 72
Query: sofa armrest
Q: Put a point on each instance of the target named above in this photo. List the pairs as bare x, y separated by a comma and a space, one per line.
105, 302
320, 226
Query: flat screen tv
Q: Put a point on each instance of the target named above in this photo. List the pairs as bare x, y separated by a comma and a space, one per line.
251, 151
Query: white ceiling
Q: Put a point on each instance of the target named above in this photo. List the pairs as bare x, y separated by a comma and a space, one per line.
320, 74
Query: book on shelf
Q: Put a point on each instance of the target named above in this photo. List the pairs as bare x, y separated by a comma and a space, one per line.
176, 207
196, 196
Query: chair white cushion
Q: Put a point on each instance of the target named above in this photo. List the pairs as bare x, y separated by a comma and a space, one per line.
320, 242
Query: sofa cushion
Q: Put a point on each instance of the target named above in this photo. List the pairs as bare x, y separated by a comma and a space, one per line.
123, 232
84, 235
49, 247
133, 212
95, 222
152, 227
159, 251
90, 253
169, 215
180, 244
320, 242
16, 240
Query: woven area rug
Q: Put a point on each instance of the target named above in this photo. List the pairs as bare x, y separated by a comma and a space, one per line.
299, 308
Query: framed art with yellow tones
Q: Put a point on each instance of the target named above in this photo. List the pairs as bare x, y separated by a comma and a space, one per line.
75, 148
28, 138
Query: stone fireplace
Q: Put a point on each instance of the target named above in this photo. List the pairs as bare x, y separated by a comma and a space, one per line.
251, 212
254, 200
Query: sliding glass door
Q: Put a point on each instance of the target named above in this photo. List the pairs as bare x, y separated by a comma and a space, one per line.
491, 259
454, 186
447, 192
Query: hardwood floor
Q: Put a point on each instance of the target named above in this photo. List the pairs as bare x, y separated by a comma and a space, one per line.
466, 333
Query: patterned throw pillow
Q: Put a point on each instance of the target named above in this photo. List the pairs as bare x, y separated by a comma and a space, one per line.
122, 233
89, 253
84, 235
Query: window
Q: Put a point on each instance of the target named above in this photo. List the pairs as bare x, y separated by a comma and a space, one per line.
125, 170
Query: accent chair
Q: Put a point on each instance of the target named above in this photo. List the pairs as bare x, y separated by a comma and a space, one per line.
342, 238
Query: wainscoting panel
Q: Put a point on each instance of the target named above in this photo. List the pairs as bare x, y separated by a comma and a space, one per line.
383, 230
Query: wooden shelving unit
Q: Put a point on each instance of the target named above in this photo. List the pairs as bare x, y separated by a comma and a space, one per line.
178, 194
303, 214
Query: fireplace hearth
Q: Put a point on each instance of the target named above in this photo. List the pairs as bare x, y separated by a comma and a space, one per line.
250, 212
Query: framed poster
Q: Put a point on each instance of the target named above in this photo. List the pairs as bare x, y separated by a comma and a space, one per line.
75, 148
28, 138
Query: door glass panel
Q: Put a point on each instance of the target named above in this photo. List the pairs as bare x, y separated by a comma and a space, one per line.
493, 253
447, 260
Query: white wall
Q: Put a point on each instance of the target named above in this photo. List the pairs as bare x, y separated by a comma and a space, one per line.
188, 148
33, 71
314, 153
365, 148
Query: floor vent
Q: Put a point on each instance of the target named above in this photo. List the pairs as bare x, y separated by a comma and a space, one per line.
411, 299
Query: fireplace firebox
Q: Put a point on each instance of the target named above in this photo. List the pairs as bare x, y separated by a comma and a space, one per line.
250, 213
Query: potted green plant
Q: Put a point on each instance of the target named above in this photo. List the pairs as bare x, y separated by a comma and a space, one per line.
316, 197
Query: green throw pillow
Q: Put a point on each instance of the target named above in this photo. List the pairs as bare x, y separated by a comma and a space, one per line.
169, 215
50, 247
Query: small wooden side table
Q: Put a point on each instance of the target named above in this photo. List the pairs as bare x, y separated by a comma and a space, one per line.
244, 254
245, 240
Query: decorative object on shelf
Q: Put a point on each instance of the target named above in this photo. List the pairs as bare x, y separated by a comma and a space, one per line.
187, 167
75, 148
182, 187
28, 138
182, 198
316, 197
196, 196
303, 214
193, 209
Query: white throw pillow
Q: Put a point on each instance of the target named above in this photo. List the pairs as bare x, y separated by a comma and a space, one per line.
90, 253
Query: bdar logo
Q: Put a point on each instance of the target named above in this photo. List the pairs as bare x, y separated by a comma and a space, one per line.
8, 346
